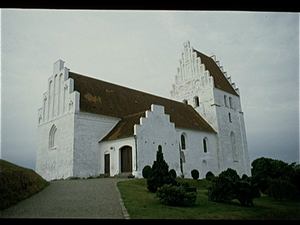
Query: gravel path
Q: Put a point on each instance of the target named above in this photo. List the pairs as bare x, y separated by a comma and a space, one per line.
91, 198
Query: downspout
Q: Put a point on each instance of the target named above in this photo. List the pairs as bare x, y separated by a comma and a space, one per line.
136, 162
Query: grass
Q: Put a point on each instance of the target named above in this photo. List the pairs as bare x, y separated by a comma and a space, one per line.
18, 183
142, 204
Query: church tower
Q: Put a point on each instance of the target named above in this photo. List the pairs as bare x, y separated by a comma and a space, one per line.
202, 83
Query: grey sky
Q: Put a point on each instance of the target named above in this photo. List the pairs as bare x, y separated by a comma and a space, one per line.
141, 50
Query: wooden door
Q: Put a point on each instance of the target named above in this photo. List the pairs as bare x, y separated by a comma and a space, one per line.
107, 163
126, 159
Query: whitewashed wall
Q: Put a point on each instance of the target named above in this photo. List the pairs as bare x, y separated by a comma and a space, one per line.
156, 129
193, 80
113, 148
89, 129
59, 105
195, 157
236, 124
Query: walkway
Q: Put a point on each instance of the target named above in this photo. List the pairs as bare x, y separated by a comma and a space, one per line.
90, 198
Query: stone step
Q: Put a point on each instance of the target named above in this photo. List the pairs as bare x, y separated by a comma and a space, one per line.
124, 175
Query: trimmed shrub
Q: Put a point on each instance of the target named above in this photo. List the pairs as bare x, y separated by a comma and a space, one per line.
209, 175
146, 171
159, 174
172, 195
172, 173
222, 188
245, 177
195, 174
228, 186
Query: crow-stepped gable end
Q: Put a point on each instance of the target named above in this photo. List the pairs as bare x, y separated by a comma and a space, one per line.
88, 127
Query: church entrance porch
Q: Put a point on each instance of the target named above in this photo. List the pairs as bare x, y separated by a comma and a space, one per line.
126, 159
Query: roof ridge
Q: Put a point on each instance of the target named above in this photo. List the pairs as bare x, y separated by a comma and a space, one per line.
220, 83
119, 85
104, 98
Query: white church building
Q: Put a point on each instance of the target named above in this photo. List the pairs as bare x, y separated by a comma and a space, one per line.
88, 127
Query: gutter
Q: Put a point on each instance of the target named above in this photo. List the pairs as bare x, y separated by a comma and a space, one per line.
136, 162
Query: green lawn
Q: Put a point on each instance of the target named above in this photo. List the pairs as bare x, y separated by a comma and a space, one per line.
142, 204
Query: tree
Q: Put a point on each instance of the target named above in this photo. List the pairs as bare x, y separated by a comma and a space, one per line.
222, 188
159, 174
276, 178
228, 186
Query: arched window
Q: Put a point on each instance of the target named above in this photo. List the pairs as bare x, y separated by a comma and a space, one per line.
183, 142
196, 101
225, 101
229, 115
52, 143
230, 102
185, 101
233, 147
205, 145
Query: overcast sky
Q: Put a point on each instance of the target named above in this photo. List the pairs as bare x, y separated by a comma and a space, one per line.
141, 50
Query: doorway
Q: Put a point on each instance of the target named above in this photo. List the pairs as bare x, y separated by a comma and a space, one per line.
107, 163
126, 159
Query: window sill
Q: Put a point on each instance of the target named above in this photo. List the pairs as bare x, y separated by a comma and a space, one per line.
53, 148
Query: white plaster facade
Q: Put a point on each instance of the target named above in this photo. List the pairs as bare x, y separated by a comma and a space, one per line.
221, 109
55, 160
70, 140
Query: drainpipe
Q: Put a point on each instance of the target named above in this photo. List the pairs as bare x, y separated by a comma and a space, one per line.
136, 163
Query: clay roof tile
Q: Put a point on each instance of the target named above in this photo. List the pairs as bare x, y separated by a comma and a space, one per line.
100, 97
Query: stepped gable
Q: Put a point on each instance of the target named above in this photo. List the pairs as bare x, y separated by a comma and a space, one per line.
125, 127
100, 97
220, 81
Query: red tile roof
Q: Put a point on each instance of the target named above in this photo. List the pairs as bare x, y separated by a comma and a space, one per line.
109, 99
125, 127
220, 81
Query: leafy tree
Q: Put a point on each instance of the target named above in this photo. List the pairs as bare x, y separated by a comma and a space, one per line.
281, 188
228, 186
159, 174
276, 178
222, 188
295, 178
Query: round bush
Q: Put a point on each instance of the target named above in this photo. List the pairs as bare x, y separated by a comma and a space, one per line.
172, 195
195, 174
146, 171
172, 173
209, 175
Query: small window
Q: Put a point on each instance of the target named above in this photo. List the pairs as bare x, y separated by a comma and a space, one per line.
205, 145
52, 137
233, 147
230, 102
185, 101
225, 101
196, 101
183, 144
229, 115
